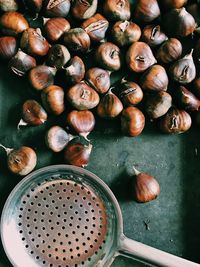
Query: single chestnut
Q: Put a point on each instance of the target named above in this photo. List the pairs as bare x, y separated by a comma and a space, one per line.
54, 28
8, 5
32, 42
179, 23
99, 79
56, 8
154, 79
75, 70
32, 114
77, 40
34, 6
41, 77
108, 56
8, 47
96, 27
146, 11
81, 96
84, 9
110, 106
82, 122
117, 9
196, 87
158, 104
77, 154
139, 57
131, 93
21, 63
174, 3
125, 33
53, 99
194, 9
187, 99
12, 23
57, 138
175, 121
183, 70
132, 121
153, 35
169, 51
58, 56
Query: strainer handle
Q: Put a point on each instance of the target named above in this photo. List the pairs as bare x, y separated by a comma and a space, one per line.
154, 257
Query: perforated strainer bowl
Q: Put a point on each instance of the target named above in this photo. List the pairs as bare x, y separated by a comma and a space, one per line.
65, 216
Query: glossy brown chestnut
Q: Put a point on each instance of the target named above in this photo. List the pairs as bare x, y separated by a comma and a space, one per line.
174, 3
82, 96
108, 56
8, 5
21, 63
175, 121
56, 8
132, 121
183, 23
183, 70
53, 99
158, 104
82, 122
75, 71
117, 9
154, 79
34, 6
196, 87
12, 23
41, 77
58, 56
125, 33
110, 106
187, 99
77, 154
54, 28
77, 40
153, 35
169, 51
33, 113
84, 9
33, 43
146, 11
139, 57
99, 79
96, 27
131, 93
8, 47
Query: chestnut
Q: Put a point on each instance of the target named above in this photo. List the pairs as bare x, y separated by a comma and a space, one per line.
8, 5
75, 71
194, 9
96, 27
158, 104
187, 99
146, 11
175, 121
132, 121
41, 77
125, 33
12, 23
84, 9
54, 28
53, 99
117, 9
82, 96
21, 63
131, 93
108, 56
34, 6
58, 56
77, 40
110, 106
56, 8
154, 79
174, 3
153, 35
8, 47
33, 43
99, 79
82, 122
139, 57
169, 51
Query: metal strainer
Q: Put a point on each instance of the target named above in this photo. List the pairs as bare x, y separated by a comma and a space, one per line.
65, 216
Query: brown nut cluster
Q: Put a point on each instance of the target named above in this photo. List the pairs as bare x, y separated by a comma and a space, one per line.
71, 60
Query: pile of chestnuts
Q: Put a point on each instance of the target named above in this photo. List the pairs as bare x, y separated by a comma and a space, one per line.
70, 58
